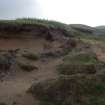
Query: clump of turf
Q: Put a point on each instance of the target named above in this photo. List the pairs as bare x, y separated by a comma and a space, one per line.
31, 56
75, 90
27, 67
81, 62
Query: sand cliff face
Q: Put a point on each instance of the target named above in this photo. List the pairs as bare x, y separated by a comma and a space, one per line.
9, 30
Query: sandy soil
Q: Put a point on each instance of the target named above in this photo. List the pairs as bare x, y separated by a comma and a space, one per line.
13, 88
99, 48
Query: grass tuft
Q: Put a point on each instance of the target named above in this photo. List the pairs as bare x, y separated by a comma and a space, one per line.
27, 67
31, 56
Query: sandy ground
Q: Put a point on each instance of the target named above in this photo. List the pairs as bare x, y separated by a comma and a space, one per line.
13, 88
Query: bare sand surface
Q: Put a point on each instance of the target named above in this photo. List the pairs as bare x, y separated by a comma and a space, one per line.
13, 89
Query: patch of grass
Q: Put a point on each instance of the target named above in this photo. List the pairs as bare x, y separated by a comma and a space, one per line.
89, 37
70, 91
31, 56
70, 69
82, 62
27, 67
81, 58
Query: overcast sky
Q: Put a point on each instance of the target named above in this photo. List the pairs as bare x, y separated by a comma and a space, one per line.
90, 12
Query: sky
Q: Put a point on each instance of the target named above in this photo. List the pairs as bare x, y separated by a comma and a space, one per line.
89, 12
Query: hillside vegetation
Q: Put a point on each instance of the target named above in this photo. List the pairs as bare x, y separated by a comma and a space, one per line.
34, 21
45, 62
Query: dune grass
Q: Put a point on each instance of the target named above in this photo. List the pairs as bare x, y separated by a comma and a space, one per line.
82, 62
31, 56
44, 22
27, 67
